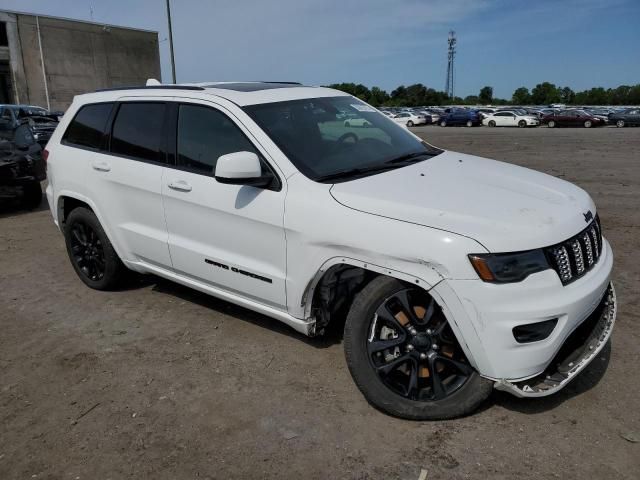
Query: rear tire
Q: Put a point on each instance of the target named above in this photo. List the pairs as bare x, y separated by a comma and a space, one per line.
551, 124
443, 123
380, 376
90, 251
469, 123
31, 195
620, 123
409, 123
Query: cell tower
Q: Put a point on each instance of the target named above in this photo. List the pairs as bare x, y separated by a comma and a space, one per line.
451, 41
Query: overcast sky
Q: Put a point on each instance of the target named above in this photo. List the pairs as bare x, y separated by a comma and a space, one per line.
502, 43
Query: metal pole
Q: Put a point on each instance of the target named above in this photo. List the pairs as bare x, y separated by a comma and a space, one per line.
173, 62
44, 73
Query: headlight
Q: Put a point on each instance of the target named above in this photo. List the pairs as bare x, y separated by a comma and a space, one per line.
508, 267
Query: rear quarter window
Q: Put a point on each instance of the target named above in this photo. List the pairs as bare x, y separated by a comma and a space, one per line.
88, 127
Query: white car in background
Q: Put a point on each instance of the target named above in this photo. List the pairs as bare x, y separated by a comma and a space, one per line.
509, 118
356, 122
409, 119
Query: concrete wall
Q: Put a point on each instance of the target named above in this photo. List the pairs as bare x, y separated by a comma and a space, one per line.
79, 57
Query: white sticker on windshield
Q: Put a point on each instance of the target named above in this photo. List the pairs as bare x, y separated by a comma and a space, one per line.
363, 108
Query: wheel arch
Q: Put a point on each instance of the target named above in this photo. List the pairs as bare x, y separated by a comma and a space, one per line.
326, 283
67, 201
347, 276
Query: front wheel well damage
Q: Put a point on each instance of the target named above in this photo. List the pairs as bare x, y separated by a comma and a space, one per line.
334, 294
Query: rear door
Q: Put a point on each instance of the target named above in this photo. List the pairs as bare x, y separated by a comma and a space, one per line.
126, 180
564, 118
229, 236
501, 119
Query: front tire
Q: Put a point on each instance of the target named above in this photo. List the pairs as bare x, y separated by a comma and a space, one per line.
620, 123
404, 357
469, 123
443, 123
522, 124
492, 123
90, 251
588, 124
410, 123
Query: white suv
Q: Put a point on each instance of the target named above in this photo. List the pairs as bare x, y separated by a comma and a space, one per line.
453, 274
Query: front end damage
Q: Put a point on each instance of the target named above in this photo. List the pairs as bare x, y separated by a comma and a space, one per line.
578, 350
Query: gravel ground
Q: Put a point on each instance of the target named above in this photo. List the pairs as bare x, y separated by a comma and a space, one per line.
159, 381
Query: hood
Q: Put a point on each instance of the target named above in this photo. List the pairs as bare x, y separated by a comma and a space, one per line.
504, 207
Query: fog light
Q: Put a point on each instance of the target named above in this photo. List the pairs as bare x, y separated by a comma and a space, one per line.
534, 332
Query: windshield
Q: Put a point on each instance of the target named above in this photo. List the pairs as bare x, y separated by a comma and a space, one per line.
338, 138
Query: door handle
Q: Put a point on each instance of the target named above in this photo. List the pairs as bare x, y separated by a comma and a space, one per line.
180, 185
101, 166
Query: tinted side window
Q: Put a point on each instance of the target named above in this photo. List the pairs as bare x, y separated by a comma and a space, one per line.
204, 134
88, 126
137, 131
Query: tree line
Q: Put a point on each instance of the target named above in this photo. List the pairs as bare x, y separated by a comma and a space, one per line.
544, 93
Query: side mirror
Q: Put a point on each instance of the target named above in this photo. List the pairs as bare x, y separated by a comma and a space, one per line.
241, 168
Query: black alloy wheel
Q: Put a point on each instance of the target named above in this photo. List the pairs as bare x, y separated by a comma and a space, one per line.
93, 257
88, 251
405, 358
413, 349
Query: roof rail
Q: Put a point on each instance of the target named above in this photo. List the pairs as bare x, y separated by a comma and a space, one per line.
152, 87
284, 83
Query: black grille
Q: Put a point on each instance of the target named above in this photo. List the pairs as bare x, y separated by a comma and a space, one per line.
573, 258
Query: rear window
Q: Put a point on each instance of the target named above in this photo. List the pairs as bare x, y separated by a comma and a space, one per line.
137, 131
88, 126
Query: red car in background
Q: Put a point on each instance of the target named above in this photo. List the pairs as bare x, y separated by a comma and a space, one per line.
572, 118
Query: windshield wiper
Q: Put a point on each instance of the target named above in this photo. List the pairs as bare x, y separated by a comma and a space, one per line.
410, 157
354, 172
388, 165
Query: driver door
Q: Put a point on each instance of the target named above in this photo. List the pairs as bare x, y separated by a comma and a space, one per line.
228, 236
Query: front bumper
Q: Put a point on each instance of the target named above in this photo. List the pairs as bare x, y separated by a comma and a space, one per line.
580, 348
483, 316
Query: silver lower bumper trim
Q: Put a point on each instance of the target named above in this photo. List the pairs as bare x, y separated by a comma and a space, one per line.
549, 382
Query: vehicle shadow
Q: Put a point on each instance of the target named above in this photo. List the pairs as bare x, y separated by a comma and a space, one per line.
14, 208
332, 335
585, 381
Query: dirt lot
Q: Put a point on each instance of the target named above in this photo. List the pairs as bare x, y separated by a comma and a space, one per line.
158, 381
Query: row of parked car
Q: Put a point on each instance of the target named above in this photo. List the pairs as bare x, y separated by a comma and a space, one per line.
515, 116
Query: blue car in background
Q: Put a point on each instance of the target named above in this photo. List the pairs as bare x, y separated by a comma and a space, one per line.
469, 118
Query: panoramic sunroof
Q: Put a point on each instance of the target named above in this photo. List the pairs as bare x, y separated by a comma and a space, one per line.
253, 86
